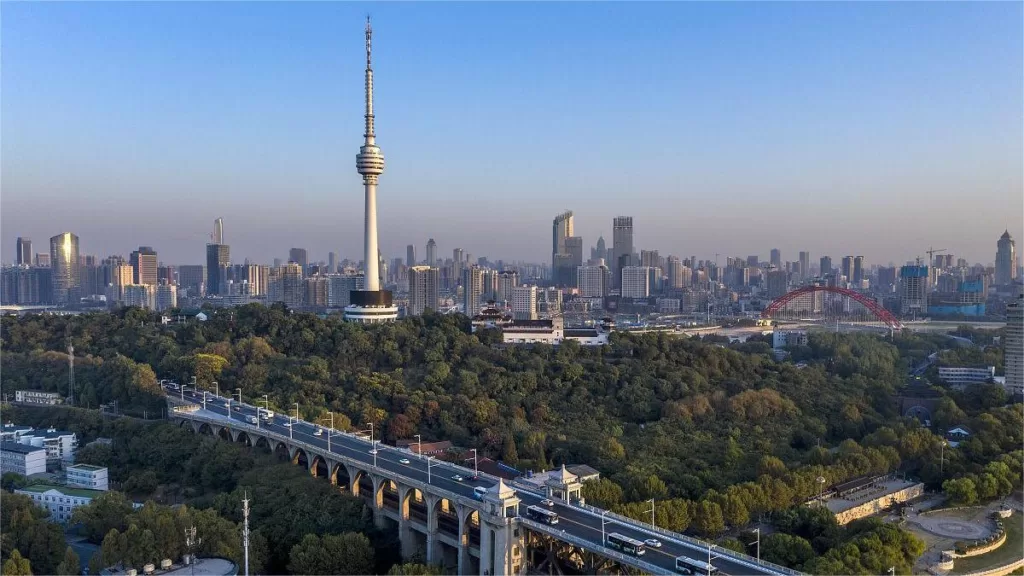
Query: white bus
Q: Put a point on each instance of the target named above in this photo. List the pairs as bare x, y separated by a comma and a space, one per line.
686, 565
625, 544
542, 515
264, 413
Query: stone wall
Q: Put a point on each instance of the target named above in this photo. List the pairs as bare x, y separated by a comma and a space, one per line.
879, 504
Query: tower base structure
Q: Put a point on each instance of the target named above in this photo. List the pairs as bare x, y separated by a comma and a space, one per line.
371, 307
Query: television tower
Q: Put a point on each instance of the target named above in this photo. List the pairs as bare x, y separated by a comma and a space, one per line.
370, 305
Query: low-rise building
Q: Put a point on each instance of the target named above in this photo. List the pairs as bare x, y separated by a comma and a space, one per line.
87, 476
13, 433
428, 448
59, 501
784, 338
583, 472
22, 459
59, 444
37, 397
959, 376
866, 496
552, 331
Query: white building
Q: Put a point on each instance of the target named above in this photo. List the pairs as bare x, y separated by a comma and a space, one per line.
553, 332
59, 501
524, 302
13, 433
964, 375
636, 281
59, 445
22, 459
593, 281
166, 297
140, 295
783, 338
424, 289
37, 397
87, 476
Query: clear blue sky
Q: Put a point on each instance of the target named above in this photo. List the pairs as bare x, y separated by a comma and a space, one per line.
852, 128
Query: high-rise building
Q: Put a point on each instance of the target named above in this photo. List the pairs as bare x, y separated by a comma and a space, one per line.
473, 289
825, 266
775, 259
524, 302
561, 228
257, 278
122, 275
636, 281
457, 265
166, 297
332, 263
805, 265
144, 264
913, 290
622, 247
293, 292
594, 281
301, 257
410, 255
424, 288
1014, 346
24, 256
777, 283
600, 252
140, 295
218, 231
1006, 259
858, 271
507, 280
431, 253
66, 277
316, 289
192, 277
340, 288
846, 268
674, 272
218, 258
43, 259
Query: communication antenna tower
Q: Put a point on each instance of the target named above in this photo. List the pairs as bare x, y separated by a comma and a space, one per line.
191, 542
245, 530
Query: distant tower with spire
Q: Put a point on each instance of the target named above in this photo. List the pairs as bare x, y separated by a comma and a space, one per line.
372, 304
1006, 260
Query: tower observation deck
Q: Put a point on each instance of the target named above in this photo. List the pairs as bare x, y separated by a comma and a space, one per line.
373, 304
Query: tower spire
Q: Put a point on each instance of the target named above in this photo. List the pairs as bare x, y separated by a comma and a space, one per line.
368, 135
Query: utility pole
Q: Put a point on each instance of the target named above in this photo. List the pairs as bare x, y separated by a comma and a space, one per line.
245, 530
191, 542
71, 370
652, 511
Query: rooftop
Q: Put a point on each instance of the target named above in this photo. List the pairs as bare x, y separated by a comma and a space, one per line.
19, 448
878, 490
43, 488
86, 467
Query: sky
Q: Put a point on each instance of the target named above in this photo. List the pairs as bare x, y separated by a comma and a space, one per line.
874, 129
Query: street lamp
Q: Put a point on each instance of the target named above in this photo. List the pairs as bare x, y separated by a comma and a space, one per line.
330, 431
291, 426
652, 511
476, 470
758, 532
710, 547
942, 457
821, 488
603, 521
419, 445
892, 570
216, 387
204, 399
430, 465
370, 424
296, 410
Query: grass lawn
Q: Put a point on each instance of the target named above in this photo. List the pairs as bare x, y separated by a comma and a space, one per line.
1008, 552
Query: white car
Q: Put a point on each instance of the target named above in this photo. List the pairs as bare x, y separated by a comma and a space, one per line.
547, 502
319, 432
653, 542
374, 451
227, 404
458, 478
403, 461
287, 424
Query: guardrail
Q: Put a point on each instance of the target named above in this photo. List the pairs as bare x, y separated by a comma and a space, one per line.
596, 548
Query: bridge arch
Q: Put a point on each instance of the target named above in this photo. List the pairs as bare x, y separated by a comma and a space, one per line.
205, 428
242, 437
320, 468
871, 305
299, 456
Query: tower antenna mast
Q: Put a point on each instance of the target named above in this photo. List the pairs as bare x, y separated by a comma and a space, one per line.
245, 530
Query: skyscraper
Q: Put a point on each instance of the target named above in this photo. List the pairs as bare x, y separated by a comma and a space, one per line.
805, 265
622, 247
293, 292
218, 231
825, 266
847, 268
300, 257
1014, 351
775, 259
473, 289
143, 263
66, 277
858, 271
424, 287
332, 263
431, 253
218, 258
410, 255
507, 280
371, 305
636, 281
913, 290
1006, 259
24, 256
523, 301
600, 252
561, 228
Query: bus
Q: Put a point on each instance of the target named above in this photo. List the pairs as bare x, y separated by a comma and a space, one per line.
686, 565
625, 544
542, 515
265, 414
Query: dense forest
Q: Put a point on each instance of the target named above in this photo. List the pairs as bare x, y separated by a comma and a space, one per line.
720, 434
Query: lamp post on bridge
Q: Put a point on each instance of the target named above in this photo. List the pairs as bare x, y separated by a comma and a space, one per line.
216, 388
204, 399
821, 488
430, 464
330, 431
652, 512
942, 457
476, 470
710, 558
296, 410
758, 542
603, 521
419, 446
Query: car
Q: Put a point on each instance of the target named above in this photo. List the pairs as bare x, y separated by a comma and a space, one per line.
458, 478
374, 451
319, 432
227, 404
403, 461
653, 542
238, 408
253, 420
287, 424
547, 502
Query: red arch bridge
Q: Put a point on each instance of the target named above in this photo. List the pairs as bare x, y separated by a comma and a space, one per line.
831, 304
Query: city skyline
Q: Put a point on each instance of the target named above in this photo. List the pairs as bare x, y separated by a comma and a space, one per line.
291, 185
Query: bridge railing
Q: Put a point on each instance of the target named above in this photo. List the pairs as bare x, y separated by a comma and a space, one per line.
310, 448
593, 547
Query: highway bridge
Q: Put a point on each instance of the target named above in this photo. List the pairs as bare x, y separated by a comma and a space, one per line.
473, 523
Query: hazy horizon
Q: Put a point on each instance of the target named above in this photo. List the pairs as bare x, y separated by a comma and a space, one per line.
840, 129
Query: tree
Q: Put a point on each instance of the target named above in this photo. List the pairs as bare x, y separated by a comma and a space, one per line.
348, 553
414, 570
602, 492
707, 519
961, 491
105, 513
16, 565
509, 453
70, 566
735, 512
785, 549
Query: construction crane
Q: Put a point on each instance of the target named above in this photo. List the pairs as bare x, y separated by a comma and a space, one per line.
931, 254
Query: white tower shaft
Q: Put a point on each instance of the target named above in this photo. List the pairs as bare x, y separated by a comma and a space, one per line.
370, 163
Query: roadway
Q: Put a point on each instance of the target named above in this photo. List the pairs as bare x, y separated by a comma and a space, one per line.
573, 520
